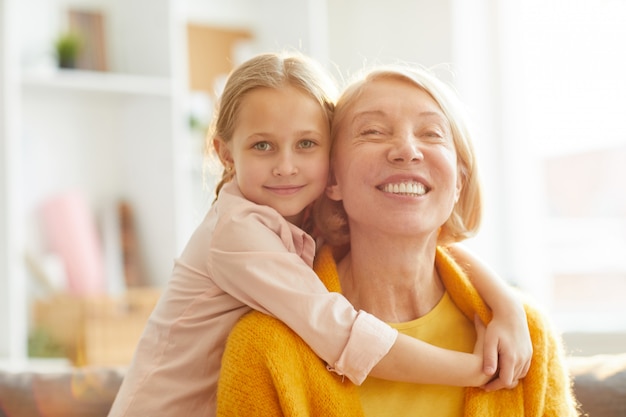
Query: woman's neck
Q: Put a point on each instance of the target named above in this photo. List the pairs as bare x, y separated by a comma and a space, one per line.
394, 279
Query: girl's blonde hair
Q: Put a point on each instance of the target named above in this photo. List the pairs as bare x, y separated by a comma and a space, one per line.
464, 221
268, 70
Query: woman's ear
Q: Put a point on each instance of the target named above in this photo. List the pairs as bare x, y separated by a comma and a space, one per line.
459, 188
223, 152
333, 190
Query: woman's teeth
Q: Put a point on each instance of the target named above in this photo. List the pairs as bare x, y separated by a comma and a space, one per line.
410, 188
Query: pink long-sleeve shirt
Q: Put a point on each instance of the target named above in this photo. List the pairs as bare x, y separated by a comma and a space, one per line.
241, 257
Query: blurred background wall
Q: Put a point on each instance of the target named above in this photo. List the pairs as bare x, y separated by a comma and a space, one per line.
542, 80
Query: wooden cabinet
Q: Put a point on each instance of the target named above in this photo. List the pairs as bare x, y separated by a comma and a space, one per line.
95, 330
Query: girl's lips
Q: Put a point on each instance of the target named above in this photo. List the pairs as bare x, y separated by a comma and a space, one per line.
285, 189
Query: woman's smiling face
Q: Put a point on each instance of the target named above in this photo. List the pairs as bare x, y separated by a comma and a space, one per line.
394, 161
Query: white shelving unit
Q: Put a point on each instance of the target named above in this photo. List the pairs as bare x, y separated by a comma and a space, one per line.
98, 82
112, 135
12, 291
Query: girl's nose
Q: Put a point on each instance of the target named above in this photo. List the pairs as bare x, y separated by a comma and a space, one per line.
285, 166
406, 148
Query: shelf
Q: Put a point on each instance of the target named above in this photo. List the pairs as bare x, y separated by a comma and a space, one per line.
45, 365
102, 82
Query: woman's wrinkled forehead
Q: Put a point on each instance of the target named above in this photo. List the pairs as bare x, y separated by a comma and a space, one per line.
381, 94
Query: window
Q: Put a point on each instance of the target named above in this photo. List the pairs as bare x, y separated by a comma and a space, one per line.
573, 71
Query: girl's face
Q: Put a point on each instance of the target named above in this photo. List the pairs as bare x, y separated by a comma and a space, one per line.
280, 149
394, 162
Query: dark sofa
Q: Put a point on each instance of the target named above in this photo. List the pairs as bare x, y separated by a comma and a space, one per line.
599, 385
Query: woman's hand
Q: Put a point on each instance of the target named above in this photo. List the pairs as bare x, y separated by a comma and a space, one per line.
508, 349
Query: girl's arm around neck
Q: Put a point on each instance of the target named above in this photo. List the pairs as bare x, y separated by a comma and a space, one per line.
508, 348
412, 360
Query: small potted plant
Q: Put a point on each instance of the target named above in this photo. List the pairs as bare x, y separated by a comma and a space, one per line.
68, 45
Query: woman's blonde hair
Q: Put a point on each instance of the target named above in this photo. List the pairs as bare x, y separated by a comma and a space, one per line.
464, 221
268, 70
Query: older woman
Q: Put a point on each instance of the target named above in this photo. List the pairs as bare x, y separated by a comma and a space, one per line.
403, 186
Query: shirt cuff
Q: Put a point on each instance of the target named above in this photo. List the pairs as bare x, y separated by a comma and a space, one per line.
369, 341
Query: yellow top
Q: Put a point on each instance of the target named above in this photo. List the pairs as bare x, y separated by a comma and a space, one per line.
444, 326
267, 370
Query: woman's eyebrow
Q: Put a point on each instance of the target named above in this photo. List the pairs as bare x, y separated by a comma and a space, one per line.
367, 113
379, 113
434, 114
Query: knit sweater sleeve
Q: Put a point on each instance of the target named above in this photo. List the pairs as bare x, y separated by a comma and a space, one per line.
268, 370
548, 385
546, 391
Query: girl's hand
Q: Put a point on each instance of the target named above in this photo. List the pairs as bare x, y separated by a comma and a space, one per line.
508, 349
479, 350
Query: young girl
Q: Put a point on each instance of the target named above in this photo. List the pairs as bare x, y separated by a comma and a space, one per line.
272, 133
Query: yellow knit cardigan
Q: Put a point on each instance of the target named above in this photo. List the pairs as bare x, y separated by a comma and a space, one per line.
267, 370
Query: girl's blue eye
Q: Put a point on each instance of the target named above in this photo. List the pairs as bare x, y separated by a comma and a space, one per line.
262, 146
306, 144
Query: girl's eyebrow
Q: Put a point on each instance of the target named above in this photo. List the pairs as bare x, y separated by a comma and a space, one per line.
307, 132
268, 135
